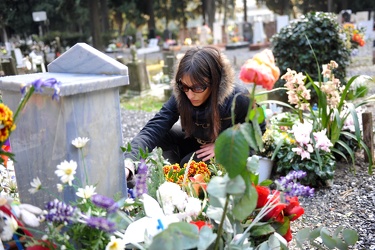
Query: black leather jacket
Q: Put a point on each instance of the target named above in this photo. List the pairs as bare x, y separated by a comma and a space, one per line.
163, 121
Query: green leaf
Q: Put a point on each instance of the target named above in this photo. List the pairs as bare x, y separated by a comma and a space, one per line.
246, 204
217, 186
327, 239
206, 238
180, 235
303, 235
350, 236
261, 230
282, 229
247, 131
252, 163
232, 150
236, 185
315, 233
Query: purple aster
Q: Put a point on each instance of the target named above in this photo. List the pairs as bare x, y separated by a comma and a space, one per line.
40, 83
105, 202
101, 224
141, 179
58, 211
290, 185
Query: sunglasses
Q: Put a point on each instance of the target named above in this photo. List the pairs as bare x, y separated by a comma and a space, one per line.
195, 88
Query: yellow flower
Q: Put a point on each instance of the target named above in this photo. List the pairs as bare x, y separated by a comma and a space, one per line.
6, 122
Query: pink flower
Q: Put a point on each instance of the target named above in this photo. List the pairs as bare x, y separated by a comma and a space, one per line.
260, 70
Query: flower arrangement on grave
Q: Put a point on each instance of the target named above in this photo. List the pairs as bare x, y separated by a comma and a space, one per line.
320, 130
355, 36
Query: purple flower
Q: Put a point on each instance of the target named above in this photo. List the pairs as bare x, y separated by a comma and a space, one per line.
40, 83
104, 202
141, 179
58, 211
291, 187
101, 224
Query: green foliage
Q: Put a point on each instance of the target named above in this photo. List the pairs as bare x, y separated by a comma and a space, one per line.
291, 46
341, 238
148, 104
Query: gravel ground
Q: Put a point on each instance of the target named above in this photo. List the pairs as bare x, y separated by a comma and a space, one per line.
349, 202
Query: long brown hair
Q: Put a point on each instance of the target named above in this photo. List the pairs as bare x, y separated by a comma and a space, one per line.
203, 66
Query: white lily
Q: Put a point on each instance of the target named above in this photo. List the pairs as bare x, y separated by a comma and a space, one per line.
149, 226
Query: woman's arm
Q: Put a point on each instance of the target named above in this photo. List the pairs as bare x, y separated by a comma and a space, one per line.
155, 129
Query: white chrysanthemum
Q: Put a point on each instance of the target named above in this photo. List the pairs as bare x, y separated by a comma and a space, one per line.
170, 195
193, 207
115, 244
86, 192
80, 142
36, 185
66, 171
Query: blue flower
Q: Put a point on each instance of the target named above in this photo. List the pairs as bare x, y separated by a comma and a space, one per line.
40, 83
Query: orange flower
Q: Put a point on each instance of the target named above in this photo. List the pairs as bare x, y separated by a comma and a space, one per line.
261, 70
198, 182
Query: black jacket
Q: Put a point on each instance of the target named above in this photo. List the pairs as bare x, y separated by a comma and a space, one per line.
168, 115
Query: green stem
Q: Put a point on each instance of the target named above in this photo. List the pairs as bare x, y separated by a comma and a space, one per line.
23, 102
84, 166
220, 229
252, 101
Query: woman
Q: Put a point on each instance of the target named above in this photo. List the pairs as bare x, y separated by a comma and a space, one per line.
203, 95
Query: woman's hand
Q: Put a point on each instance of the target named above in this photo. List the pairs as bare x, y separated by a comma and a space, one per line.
206, 152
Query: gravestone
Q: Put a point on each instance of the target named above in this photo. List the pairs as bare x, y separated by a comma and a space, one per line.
281, 21
217, 33
138, 76
258, 35
89, 106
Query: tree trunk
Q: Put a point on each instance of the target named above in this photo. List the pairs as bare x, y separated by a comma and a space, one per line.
95, 25
151, 20
211, 10
245, 11
104, 16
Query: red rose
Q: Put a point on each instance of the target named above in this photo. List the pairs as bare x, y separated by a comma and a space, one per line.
200, 224
293, 209
288, 236
263, 193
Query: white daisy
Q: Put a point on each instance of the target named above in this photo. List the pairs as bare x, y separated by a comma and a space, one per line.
115, 244
80, 142
36, 185
66, 171
86, 192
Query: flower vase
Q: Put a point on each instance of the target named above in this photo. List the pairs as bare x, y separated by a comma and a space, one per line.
265, 168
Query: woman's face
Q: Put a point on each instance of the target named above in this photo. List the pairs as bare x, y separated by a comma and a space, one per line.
196, 99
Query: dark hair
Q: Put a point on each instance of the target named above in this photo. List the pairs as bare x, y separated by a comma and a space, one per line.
203, 65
